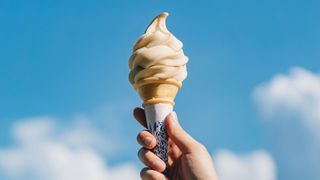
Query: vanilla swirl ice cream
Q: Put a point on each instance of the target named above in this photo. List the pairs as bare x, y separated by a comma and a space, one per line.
157, 69
157, 54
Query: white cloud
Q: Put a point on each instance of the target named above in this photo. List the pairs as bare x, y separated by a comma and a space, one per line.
257, 165
45, 150
291, 103
295, 95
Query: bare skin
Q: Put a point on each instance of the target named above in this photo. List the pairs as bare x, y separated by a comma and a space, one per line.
188, 159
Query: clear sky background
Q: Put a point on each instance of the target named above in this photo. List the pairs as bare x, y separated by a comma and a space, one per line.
63, 80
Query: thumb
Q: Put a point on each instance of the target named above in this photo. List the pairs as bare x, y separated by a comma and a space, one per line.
179, 136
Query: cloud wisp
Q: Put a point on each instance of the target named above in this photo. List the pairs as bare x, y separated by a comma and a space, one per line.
256, 165
291, 104
45, 150
294, 95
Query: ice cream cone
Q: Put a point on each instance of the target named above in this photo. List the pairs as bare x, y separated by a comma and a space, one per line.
156, 91
158, 100
157, 69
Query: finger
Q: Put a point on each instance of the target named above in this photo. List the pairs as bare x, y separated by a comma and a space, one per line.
146, 139
180, 137
149, 159
138, 113
149, 174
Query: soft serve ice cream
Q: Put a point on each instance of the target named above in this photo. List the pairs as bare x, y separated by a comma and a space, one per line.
157, 54
157, 69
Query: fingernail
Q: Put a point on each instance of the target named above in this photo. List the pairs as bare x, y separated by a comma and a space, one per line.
147, 141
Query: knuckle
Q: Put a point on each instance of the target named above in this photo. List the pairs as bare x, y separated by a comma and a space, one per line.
143, 172
148, 174
142, 134
138, 138
140, 153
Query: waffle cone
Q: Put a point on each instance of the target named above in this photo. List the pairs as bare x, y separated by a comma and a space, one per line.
156, 91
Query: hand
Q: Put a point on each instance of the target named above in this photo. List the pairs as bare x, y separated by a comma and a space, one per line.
187, 158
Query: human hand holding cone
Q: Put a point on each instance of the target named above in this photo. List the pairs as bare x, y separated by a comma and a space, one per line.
158, 67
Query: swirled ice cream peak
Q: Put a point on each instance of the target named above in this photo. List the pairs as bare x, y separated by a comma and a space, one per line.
157, 54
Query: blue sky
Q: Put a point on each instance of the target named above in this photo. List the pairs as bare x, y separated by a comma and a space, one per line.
65, 58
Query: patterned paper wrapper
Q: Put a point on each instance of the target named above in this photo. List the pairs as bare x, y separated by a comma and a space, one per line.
155, 114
